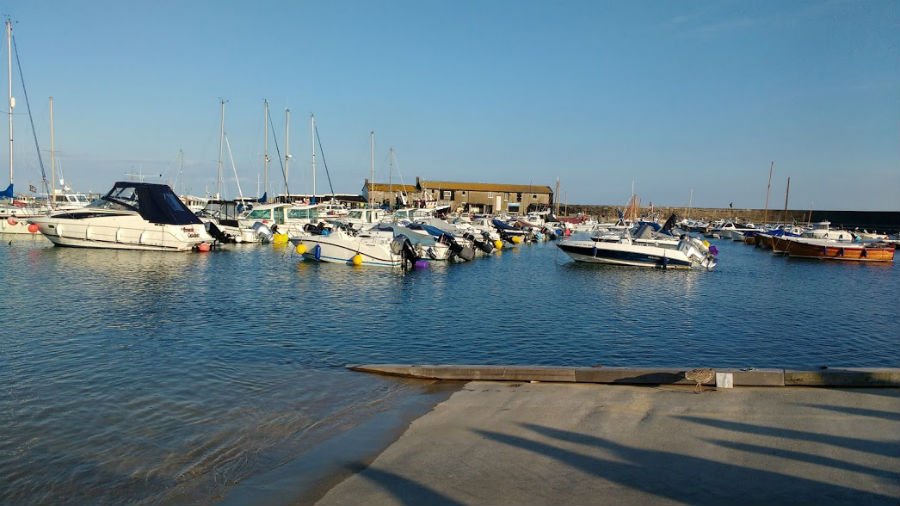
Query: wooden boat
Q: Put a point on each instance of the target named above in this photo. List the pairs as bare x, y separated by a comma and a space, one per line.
835, 250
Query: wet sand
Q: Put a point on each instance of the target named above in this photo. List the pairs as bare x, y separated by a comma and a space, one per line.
497, 443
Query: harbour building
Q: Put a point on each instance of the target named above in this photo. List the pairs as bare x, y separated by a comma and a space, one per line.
489, 198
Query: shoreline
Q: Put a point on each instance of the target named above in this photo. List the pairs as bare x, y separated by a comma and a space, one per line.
308, 477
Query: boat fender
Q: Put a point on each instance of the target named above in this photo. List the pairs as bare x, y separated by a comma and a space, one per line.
317, 252
11, 221
300, 249
357, 259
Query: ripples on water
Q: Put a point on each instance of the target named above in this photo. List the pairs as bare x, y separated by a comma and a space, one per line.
153, 377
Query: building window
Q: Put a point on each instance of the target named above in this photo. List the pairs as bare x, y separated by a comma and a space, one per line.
447, 195
534, 196
518, 197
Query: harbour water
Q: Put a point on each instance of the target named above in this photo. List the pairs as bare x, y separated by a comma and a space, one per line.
141, 377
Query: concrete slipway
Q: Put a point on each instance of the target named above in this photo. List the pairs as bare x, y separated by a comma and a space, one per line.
523, 443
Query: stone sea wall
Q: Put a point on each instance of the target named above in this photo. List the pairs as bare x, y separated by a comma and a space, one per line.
881, 221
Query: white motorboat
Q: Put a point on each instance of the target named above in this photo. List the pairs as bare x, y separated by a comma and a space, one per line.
280, 217
364, 217
690, 253
730, 230
138, 216
344, 245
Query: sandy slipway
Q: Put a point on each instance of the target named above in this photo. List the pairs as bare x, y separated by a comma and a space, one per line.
508, 443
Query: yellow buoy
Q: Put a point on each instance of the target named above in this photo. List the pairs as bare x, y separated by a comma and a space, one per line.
357, 259
498, 244
279, 239
516, 239
301, 249
706, 243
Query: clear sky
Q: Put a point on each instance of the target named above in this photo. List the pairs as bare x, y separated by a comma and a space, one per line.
674, 96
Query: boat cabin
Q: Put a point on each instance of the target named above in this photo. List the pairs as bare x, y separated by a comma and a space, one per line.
280, 214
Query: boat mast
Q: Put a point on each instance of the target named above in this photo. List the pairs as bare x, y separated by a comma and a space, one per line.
371, 165
52, 195
768, 189
690, 204
391, 178
312, 135
266, 149
219, 174
12, 100
786, 193
556, 196
287, 150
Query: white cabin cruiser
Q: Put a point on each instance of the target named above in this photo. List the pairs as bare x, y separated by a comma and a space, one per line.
137, 216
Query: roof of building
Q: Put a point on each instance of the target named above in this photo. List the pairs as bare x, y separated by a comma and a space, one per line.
485, 187
385, 187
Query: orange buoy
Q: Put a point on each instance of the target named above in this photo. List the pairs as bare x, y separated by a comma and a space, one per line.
11, 220
203, 247
33, 228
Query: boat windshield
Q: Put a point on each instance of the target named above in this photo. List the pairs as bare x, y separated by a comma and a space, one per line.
302, 213
260, 214
156, 203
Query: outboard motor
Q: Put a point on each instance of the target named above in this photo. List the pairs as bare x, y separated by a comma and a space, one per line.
263, 232
463, 253
467, 253
487, 242
402, 246
217, 233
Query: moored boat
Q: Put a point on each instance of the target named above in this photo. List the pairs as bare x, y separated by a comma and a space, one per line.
138, 216
343, 245
689, 253
823, 249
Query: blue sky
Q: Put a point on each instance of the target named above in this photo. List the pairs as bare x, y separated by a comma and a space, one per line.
674, 96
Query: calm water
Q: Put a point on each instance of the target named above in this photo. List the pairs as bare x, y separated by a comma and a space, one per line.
135, 377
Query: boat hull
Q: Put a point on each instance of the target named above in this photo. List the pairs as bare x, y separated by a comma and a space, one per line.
374, 252
15, 225
625, 254
124, 231
850, 252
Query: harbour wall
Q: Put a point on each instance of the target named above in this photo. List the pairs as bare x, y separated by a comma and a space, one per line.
880, 221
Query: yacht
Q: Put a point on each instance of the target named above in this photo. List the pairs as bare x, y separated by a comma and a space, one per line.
132, 215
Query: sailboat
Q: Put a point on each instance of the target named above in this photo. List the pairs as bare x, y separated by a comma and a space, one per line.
15, 212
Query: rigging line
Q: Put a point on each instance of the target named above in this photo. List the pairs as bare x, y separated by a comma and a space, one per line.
324, 164
280, 158
237, 181
44, 181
